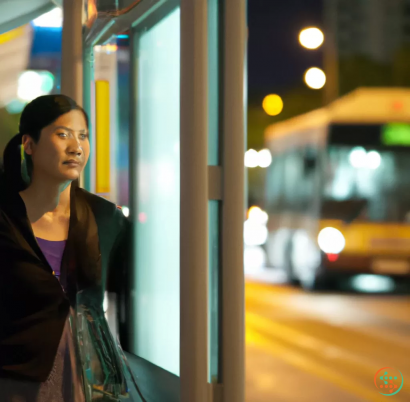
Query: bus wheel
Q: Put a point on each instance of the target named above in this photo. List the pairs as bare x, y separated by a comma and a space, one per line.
289, 269
318, 282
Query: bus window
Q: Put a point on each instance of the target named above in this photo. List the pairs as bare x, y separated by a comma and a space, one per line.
274, 192
293, 179
378, 176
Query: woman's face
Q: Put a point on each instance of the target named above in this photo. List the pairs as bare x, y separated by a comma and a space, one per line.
63, 148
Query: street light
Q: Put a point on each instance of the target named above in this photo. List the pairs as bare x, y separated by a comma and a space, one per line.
251, 158
272, 105
265, 158
315, 78
311, 38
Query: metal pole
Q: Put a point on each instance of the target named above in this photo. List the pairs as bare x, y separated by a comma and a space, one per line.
88, 69
72, 51
194, 202
72, 58
233, 287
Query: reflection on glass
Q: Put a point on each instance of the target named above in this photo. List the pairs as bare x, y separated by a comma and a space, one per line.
122, 157
213, 82
214, 290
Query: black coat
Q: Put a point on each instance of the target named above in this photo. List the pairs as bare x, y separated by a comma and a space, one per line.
33, 306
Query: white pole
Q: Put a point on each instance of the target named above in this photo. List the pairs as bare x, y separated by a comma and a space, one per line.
194, 202
72, 51
72, 54
233, 286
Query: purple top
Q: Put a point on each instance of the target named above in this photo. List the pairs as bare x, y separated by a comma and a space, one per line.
53, 251
59, 385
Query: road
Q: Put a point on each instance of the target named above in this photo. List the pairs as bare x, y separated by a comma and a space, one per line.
303, 347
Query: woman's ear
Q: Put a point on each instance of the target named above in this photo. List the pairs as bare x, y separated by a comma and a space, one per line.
27, 143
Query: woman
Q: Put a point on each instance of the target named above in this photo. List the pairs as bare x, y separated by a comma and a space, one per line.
57, 243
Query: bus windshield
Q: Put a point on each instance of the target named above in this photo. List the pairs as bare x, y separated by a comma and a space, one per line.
369, 184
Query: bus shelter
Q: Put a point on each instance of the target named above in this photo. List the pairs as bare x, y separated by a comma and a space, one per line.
163, 82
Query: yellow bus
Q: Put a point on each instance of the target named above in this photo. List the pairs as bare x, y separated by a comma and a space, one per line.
338, 192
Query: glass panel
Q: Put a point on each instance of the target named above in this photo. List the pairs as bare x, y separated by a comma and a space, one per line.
213, 206
122, 157
156, 307
214, 290
213, 82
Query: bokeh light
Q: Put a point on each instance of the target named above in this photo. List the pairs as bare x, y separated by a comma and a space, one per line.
265, 158
30, 86
331, 241
254, 257
311, 38
52, 19
357, 157
373, 160
255, 233
315, 78
125, 211
251, 158
255, 214
272, 105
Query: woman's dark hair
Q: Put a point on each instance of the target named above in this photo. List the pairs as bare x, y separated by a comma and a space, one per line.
38, 114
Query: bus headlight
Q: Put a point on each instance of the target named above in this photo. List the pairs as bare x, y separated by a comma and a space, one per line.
331, 241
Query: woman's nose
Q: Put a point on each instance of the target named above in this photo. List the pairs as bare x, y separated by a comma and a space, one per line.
75, 147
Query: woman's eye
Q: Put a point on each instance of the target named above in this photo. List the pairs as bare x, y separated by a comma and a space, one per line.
62, 135
83, 136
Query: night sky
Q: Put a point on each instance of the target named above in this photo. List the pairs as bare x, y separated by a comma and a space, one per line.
276, 60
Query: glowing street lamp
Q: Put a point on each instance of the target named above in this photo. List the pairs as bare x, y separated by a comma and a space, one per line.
272, 105
311, 38
315, 78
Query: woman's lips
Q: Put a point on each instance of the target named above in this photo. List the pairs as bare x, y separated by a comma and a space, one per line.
72, 163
